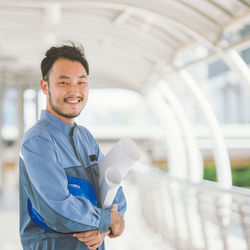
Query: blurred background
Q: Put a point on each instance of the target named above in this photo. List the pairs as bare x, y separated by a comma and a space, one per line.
171, 75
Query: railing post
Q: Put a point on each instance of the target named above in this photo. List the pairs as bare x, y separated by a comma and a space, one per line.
245, 227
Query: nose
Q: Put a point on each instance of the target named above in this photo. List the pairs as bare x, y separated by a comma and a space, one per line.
73, 89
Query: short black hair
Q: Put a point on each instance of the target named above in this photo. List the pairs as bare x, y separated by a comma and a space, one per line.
70, 52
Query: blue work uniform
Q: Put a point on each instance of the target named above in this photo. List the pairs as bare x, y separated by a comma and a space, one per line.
51, 152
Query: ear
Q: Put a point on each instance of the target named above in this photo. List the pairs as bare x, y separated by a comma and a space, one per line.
44, 86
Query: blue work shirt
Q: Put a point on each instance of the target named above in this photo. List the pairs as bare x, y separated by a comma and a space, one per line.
51, 152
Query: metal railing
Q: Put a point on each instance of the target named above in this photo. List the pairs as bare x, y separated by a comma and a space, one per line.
192, 216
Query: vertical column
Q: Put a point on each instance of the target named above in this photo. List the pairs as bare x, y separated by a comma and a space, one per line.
37, 104
221, 156
20, 115
1, 141
194, 157
176, 153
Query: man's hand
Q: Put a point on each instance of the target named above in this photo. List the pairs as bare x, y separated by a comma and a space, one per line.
93, 239
117, 222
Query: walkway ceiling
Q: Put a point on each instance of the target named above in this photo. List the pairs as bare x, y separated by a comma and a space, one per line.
126, 41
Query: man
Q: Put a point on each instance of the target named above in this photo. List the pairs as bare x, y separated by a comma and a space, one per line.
53, 152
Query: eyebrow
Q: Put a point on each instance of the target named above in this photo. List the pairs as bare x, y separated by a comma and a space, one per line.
67, 77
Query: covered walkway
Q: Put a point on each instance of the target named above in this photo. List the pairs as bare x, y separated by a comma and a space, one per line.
173, 76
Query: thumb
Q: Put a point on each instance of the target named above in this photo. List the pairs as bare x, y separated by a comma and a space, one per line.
114, 207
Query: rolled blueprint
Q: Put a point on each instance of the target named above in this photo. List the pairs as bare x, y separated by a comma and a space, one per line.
122, 156
109, 186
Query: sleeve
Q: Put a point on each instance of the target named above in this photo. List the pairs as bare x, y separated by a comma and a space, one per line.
46, 187
120, 200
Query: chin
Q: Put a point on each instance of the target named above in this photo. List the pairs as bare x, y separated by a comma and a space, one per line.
74, 114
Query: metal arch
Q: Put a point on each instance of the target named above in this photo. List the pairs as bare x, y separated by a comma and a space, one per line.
138, 50
120, 6
176, 154
221, 156
171, 39
143, 10
219, 7
122, 17
244, 2
237, 64
194, 157
117, 6
130, 6
190, 6
105, 78
243, 43
125, 14
1, 141
141, 51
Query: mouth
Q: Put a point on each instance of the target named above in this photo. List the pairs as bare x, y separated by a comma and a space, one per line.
72, 100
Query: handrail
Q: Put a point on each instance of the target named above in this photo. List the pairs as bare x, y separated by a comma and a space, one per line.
193, 216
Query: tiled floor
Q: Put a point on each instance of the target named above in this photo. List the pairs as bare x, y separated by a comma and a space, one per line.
9, 221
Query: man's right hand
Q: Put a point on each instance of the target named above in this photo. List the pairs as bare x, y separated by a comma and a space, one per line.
117, 222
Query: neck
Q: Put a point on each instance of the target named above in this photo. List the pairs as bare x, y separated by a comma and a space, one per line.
67, 120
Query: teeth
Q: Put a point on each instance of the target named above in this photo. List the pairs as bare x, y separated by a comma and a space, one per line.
72, 101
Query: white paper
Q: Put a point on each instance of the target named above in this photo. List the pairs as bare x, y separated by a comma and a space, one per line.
122, 156
109, 186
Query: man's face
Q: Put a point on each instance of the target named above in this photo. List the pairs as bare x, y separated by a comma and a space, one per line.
66, 90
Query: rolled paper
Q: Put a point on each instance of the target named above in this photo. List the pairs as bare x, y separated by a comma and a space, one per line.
122, 156
109, 186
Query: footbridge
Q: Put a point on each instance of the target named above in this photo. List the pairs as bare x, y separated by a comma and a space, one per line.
171, 75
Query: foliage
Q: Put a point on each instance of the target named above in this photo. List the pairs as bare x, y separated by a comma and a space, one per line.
240, 172
240, 175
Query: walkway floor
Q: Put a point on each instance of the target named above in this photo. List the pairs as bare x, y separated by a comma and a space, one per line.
136, 236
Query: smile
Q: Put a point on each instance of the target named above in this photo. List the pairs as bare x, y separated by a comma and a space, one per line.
73, 101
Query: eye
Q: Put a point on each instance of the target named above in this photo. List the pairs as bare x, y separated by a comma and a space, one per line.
82, 83
63, 83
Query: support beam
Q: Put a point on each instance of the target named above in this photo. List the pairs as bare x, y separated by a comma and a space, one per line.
237, 65
37, 104
52, 13
176, 154
122, 17
221, 156
20, 115
194, 157
1, 140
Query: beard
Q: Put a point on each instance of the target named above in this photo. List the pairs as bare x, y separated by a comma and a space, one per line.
59, 110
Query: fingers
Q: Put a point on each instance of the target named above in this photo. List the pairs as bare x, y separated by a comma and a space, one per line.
93, 244
114, 207
88, 236
92, 239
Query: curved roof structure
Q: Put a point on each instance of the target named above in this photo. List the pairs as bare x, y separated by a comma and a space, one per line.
126, 41
134, 44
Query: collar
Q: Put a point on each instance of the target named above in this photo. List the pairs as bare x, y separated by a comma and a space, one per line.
57, 123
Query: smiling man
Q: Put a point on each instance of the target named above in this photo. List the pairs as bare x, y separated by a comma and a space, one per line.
58, 165
68, 94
